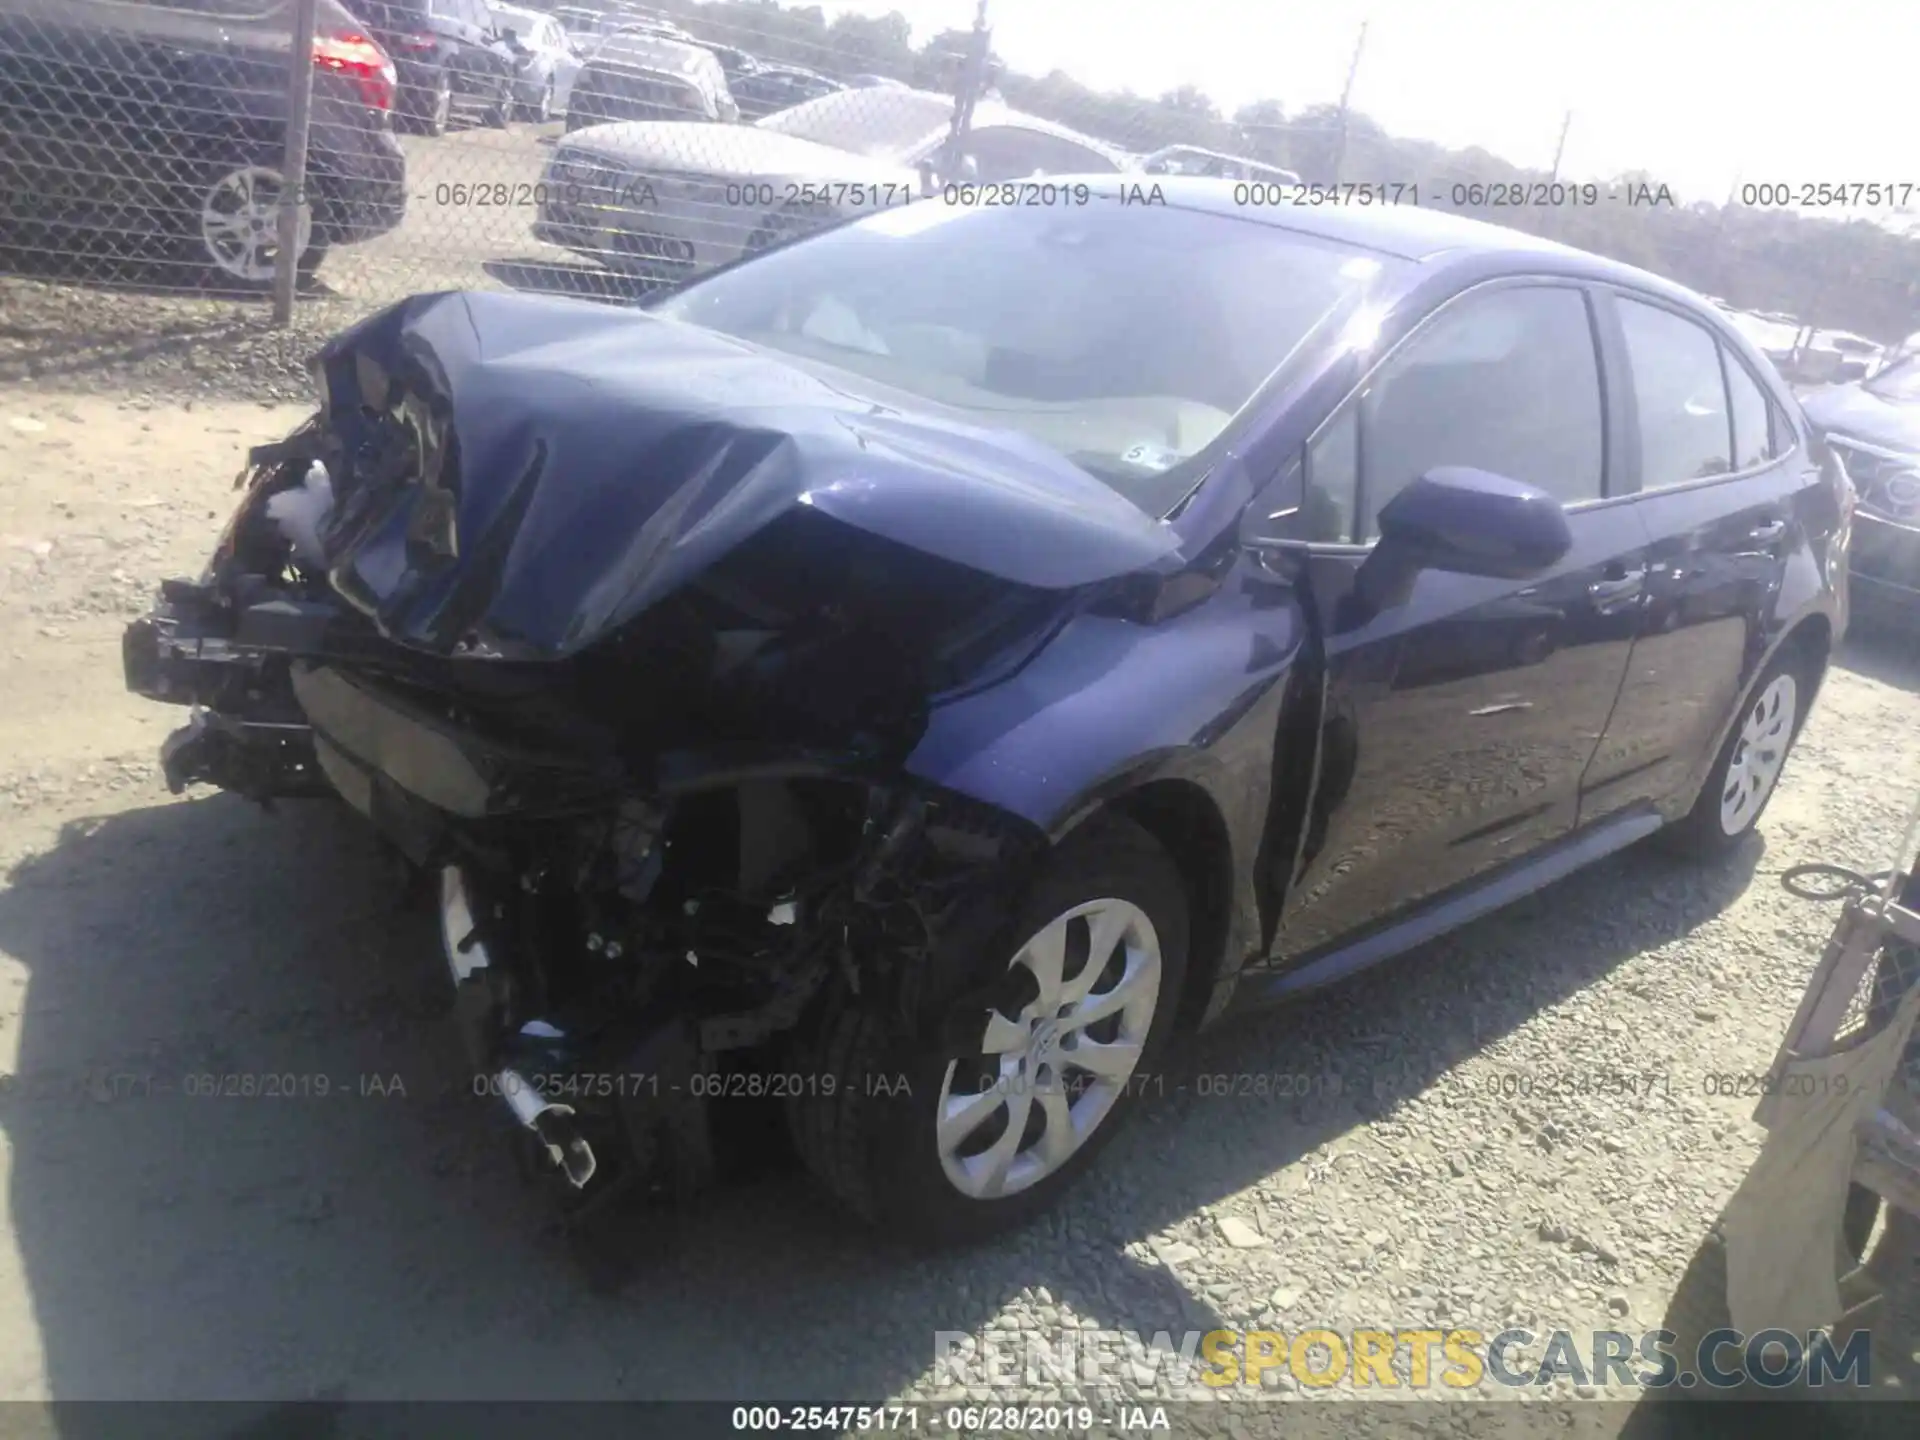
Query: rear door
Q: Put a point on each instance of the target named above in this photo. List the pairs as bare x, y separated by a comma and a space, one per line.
1718, 475
466, 25
1458, 723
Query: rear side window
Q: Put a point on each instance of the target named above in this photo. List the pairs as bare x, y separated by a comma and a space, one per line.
1508, 382
1756, 434
1680, 394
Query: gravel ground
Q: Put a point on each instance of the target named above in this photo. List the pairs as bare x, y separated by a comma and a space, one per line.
1446, 1158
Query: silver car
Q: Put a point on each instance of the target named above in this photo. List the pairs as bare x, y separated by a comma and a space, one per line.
545, 56
667, 199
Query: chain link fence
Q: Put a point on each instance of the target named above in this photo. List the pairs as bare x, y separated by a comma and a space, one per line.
603, 148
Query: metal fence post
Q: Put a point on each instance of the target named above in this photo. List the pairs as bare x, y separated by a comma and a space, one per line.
293, 167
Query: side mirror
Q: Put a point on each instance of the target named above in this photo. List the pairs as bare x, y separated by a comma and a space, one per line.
1471, 522
1464, 522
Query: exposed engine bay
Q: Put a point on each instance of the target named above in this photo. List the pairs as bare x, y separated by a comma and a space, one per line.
653, 774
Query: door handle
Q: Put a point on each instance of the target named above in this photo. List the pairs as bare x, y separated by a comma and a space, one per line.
1767, 534
1619, 581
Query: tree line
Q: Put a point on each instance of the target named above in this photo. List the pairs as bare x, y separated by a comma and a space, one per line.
1854, 275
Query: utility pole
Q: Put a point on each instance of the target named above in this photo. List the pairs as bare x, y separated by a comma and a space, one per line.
973, 76
1560, 150
1346, 99
1723, 266
293, 163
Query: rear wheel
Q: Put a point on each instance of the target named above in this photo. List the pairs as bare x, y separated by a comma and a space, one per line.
947, 1142
1747, 770
237, 228
437, 117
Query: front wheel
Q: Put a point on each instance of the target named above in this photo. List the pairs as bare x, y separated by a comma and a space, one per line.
948, 1140
1748, 767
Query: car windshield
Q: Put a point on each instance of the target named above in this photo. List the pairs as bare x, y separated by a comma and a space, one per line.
866, 122
1126, 339
391, 14
1899, 382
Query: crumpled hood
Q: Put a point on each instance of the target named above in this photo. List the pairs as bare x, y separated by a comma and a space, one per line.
519, 475
736, 152
1853, 412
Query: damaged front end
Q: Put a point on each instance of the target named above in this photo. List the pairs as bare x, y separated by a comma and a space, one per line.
630, 673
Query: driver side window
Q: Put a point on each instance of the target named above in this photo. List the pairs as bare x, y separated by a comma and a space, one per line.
1507, 382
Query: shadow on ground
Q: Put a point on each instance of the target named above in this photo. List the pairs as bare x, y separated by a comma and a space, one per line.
1883, 650
362, 1232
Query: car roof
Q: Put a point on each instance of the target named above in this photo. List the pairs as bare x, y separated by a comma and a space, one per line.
654, 52
887, 109
1408, 231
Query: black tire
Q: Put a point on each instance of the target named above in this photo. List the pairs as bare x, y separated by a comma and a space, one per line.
437, 118
871, 1141
1700, 833
541, 111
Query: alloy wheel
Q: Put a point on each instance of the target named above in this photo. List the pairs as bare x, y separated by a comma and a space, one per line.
1759, 753
1048, 1076
240, 223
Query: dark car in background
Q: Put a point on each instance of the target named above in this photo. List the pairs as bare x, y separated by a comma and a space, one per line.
1874, 426
734, 62
635, 76
449, 57
951, 656
770, 88
157, 131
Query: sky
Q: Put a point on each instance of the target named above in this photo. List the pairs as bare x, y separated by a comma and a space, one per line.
1702, 93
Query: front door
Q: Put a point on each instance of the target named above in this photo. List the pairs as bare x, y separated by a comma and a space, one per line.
1458, 721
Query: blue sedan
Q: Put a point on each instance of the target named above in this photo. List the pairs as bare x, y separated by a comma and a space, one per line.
917, 674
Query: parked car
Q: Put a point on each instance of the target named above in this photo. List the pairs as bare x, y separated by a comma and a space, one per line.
449, 56
1192, 160
769, 88
158, 131
634, 24
663, 201
869, 82
634, 77
579, 20
1874, 425
733, 60
548, 63
949, 658
1775, 339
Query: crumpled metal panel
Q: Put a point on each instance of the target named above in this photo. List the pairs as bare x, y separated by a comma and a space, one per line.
1780, 1226
519, 475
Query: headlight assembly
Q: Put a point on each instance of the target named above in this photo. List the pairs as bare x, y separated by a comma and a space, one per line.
1888, 481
